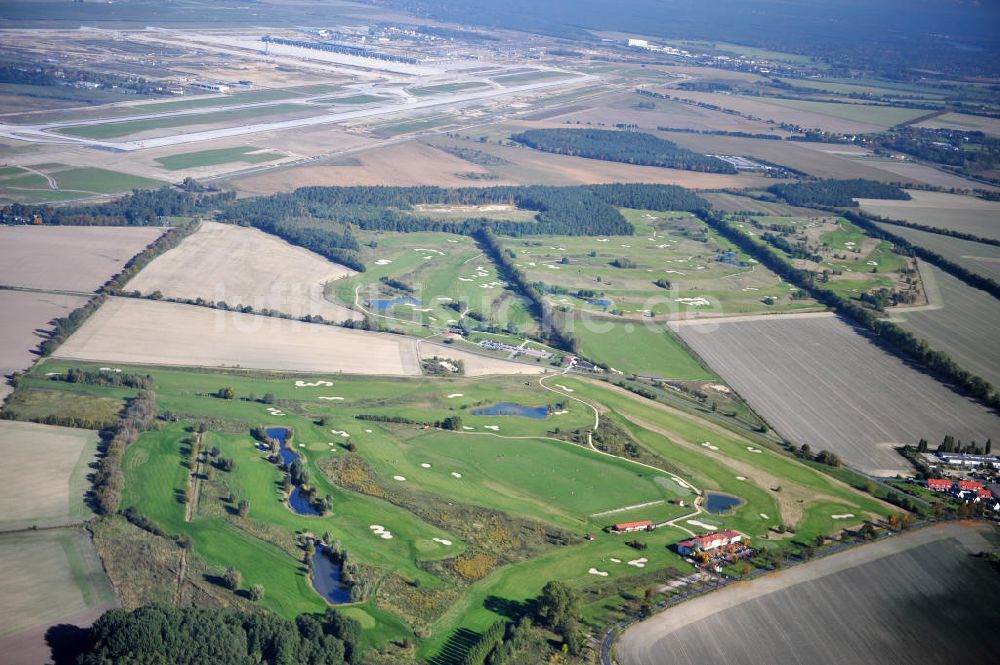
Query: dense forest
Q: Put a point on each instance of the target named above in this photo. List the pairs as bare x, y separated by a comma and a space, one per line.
223, 637
836, 192
140, 208
621, 146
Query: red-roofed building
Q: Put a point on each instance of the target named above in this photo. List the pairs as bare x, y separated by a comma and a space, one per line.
939, 484
970, 485
984, 493
629, 527
710, 541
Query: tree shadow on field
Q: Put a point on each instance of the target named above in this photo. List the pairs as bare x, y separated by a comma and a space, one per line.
512, 609
456, 648
67, 642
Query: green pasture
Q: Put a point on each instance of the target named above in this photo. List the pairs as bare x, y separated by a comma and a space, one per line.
190, 160
353, 99
445, 88
887, 116
110, 130
641, 347
529, 77
235, 99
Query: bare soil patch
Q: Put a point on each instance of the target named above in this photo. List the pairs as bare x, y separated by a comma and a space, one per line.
244, 266
44, 475
77, 258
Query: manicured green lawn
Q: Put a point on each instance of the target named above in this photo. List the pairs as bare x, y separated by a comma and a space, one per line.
190, 160
639, 348
112, 130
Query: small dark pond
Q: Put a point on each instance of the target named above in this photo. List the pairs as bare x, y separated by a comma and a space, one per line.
721, 503
280, 434
386, 303
512, 409
299, 502
326, 578
601, 302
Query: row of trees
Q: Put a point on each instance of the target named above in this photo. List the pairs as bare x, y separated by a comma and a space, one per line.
621, 146
65, 326
136, 417
836, 192
167, 241
105, 378
891, 335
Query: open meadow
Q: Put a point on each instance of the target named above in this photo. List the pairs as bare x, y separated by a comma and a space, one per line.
129, 330
54, 182
25, 314
44, 477
48, 577
818, 381
965, 214
857, 607
74, 258
243, 266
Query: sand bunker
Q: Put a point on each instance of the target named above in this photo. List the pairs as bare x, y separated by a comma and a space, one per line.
383, 262
313, 384
703, 525
754, 450
764, 516
639, 563
330, 399
693, 302
381, 531
708, 444
595, 571
456, 474
426, 465
741, 477
454, 395
340, 432
843, 516
562, 387
495, 428
614, 560
443, 541
401, 479
275, 412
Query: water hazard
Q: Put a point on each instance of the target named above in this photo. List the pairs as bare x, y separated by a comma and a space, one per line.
512, 409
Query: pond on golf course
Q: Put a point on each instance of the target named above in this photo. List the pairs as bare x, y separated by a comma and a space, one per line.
513, 409
326, 577
717, 504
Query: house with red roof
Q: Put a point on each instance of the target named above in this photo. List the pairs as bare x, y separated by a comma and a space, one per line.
709, 542
969, 485
939, 484
630, 527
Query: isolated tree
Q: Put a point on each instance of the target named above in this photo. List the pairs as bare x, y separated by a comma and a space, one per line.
226, 393
243, 508
233, 578
256, 592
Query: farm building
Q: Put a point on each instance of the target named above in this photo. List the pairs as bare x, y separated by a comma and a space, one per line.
939, 484
969, 485
631, 527
709, 542
963, 459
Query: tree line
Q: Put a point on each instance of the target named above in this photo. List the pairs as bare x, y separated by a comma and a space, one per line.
136, 417
836, 192
892, 336
160, 634
65, 326
629, 147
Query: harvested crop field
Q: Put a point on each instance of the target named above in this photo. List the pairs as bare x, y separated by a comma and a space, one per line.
77, 258
48, 577
128, 330
870, 604
44, 475
964, 122
976, 257
961, 321
26, 313
244, 266
817, 380
965, 214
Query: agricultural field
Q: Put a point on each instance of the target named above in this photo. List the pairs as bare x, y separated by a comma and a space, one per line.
44, 478
887, 116
191, 160
644, 348
976, 257
700, 273
129, 330
48, 577
74, 258
964, 123
448, 277
821, 621
965, 214
243, 266
960, 321
816, 380
25, 314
